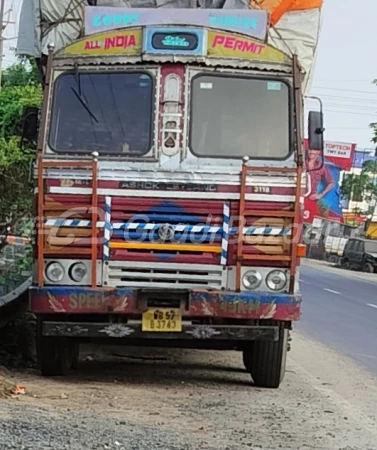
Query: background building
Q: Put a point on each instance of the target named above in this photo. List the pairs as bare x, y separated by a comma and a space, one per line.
361, 203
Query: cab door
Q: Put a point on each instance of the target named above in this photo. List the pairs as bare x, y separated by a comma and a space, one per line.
356, 256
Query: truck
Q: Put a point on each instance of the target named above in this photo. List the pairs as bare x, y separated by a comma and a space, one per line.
326, 239
169, 175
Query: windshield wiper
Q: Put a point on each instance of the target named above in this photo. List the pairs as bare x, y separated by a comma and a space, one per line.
84, 104
80, 97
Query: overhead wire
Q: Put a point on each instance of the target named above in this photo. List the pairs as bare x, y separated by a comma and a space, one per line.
345, 90
350, 113
368, 108
353, 99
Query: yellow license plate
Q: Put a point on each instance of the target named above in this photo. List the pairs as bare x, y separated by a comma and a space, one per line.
162, 319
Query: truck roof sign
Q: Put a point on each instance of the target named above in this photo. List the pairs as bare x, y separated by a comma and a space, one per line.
250, 22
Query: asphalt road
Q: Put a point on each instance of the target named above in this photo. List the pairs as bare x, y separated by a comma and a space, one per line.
340, 311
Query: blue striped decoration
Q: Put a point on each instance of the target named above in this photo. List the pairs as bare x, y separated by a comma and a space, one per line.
177, 228
266, 231
225, 240
250, 231
74, 223
108, 228
150, 235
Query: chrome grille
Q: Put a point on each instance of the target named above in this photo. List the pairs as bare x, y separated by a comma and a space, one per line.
163, 275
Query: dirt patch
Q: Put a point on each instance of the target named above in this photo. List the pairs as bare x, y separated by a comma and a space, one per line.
6, 384
125, 398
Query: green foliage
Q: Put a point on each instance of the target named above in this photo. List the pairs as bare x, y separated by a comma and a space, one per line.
21, 74
13, 100
353, 187
370, 167
363, 187
19, 90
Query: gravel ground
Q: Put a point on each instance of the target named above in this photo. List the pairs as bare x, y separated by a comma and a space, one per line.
149, 399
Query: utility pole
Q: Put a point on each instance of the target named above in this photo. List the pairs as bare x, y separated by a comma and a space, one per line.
2, 28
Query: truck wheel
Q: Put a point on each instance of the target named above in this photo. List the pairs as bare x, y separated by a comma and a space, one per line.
285, 354
246, 359
55, 355
346, 264
266, 363
333, 259
368, 267
75, 354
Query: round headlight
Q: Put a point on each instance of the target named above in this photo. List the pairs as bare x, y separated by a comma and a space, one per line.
78, 271
54, 272
276, 280
252, 279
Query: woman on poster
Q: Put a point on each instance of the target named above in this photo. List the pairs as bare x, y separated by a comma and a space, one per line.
318, 173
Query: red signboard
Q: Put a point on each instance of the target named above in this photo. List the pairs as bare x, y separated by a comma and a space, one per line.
323, 191
340, 154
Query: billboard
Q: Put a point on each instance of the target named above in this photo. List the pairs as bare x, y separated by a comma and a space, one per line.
322, 198
340, 154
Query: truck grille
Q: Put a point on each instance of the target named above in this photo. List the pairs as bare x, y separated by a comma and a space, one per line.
163, 275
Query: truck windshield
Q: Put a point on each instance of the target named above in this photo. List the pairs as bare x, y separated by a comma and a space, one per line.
106, 112
237, 116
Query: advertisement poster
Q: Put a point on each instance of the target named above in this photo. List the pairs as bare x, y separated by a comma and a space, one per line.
324, 174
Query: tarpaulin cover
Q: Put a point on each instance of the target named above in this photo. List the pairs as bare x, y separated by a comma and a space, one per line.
295, 30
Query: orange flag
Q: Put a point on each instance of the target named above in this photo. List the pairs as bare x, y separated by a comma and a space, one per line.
277, 8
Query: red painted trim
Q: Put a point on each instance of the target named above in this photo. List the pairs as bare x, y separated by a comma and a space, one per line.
211, 305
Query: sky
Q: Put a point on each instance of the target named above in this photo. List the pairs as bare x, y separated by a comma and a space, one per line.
345, 67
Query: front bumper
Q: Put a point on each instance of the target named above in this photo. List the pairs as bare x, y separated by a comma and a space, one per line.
193, 304
134, 331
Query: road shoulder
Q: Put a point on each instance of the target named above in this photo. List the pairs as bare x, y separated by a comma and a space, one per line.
328, 267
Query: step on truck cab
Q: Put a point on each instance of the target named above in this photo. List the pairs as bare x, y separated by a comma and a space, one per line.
170, 184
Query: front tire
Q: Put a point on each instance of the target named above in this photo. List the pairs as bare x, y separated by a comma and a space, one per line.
368, 267
346, 265
333, 259
55, 355
266, 360
246, 359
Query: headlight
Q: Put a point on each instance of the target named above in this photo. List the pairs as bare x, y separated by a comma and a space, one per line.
78, 271
252, 279
54, 272
276, 280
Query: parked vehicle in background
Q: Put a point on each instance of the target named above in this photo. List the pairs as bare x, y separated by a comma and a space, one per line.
360, 254
327, 239
334, 248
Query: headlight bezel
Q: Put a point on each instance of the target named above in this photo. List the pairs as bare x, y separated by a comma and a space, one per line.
257, 274
284, 279
72, 268
67, 280
48, 266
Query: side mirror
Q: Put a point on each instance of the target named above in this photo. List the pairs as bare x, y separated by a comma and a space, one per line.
316, 130
30, 124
